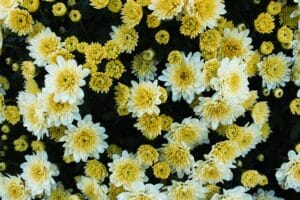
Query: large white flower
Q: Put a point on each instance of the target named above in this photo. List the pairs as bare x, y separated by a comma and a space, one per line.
34, 119
144, 191
84, 140
92, 189
185, 79
232, 81
13, 188
65, 80
59, 113
42, 46
288, 175
126, 171
38, 173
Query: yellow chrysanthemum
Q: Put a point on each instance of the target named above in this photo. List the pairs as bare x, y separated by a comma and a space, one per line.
252, 178
149, 125
37, 146
59, 194
265, 131
166, 9
19, 21
114, 5
260, 112
121, 94
147, 154
274, 8
152, 21
285, 34
28, 69
21, 144
115, 69
132, 13
161, 170
175, 57
99, 4
56, 132
210, 70
100, 82
126, 37
59, 9
13, 188
112, 49
190, 25
295, 106
225, 151
94, 53
31, 5
162, 37
210, 40
95, 169
264, 23
11, 114
75, 15
266, 47
251, 64
71, 43
166, 122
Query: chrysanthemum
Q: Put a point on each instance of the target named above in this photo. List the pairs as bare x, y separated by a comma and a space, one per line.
43, 45
59, 192
252, 178
143, 69
92, 189
190, 131
126, 171
231, 81
34, 119
260, 112
179, 157
84, 140
6, 6
95, 169
99, 4
132, 13
288, 175
237, 192
264, 23
59, 113
65, 80
126, 37
149, 125
38, 173
144, 192
19, 21
218, 110
166, 9
189, 189
147, 155
211, 172
224, 152
209, 11
262, 194
13, 188
235, 43
184, 79
274, 70
144, 98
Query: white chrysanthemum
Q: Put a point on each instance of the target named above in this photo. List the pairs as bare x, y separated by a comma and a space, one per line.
235, 43
212, 172
209, 11
38, 173
34, 119
237, 193
232, 81
6, 6
262, 194
288, 175
144, 192
144, 98
43, 45
166, 9
144, 69
185, 80
215, 111
84, 140
65, 80
190, 131
189, 189
126, 171
178, 156
13, 188
274, 70
59, 113
92, 189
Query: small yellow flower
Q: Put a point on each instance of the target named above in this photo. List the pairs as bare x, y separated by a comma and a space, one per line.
175, 57
95, 169
264, 23
152, 21
71, 43
210, 40
112, 49
115, 69
149, 125
99, 4
190, 25
37, 146
295, 106
100, 82
75, 15
21, 144
31, 5
161, 170
266, 47
147, 154
19, 21
11, 114
28, 69
252, 178
115, 6
59, 9
274, 8
131, 13
284, 34
162, 37
260, 112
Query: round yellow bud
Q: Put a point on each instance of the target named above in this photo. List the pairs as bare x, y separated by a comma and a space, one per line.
260, 157
5, 128
266, 47
15, 67
278, 93
266, 92
75, 15
59, 9
295, 106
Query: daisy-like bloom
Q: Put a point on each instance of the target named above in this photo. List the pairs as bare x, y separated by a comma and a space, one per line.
43, 45
260, 112
149, 125
209, 11
237, 193
126, 171
126, 37
211, 172
65, 80
235, 43
147, 155
274, 70
34, 119
215, 111
144, 192
59, 113
6, 6
13, 188
190, 131
178, 157
144, 98
144, 68
252, 178
224, 152
231, 81
262, 194
166, 9
85, 140
99, 4
189, 189
184, 79
38, 173
92, 189
288, 175
132, 13
246, 137
19, 21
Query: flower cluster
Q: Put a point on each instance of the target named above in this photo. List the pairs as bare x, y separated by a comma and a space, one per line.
170, 101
